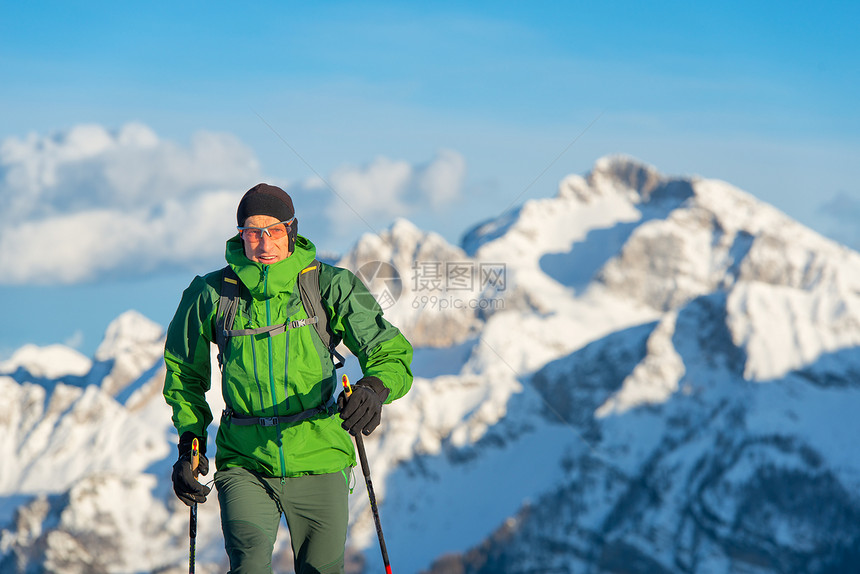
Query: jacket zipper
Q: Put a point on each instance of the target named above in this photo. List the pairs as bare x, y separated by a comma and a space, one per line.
272, 372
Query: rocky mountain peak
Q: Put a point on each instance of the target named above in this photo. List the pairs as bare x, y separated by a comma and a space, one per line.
407, 269
126, 333
625, 172
132, 345
670, 383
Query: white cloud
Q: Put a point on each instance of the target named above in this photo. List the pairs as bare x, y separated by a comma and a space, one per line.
90, 203
86, 245
375, 189
441, 180
376, 193
86, 202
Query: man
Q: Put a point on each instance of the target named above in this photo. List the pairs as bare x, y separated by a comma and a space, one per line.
280, 449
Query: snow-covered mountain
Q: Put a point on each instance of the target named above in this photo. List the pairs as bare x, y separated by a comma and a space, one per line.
641, 374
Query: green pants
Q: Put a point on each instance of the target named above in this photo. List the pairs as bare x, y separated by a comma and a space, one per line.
316, 510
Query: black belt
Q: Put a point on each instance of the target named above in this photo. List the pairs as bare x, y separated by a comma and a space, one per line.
249, 420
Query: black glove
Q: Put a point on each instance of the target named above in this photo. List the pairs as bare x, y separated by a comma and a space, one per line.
185, 485
362, 411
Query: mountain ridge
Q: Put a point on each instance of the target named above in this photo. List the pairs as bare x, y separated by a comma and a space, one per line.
647, 364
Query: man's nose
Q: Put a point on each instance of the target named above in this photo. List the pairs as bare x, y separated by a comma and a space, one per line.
265, 239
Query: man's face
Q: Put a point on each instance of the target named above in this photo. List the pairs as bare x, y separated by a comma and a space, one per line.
266, 249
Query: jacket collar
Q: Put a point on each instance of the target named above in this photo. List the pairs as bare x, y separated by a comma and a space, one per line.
267, 280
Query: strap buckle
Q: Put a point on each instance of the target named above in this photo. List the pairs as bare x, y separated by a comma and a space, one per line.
302, 322
268, 421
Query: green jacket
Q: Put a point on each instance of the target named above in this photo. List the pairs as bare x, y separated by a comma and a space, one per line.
281, 375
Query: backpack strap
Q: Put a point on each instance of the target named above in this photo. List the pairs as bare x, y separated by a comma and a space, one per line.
309, 290
271, 330
228, 303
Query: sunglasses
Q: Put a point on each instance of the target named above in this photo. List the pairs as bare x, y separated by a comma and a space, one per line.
273, 231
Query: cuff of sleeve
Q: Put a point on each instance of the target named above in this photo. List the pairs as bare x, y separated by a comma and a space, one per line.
375, 384
185, 443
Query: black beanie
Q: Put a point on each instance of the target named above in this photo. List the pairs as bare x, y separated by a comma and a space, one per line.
265, 199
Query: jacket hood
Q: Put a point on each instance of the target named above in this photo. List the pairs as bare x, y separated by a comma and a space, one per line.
266, 280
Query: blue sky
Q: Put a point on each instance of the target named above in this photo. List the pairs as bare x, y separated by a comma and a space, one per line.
128, 128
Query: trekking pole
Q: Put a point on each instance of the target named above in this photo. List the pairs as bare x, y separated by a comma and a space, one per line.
365, 469
192, 527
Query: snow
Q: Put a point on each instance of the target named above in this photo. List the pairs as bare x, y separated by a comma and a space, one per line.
455, 505
784, 328
655, 379
126, 333
656, 344
50, 362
